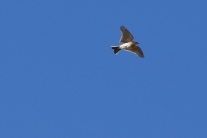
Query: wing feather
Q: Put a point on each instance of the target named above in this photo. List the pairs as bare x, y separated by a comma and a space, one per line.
137, 50
126, 35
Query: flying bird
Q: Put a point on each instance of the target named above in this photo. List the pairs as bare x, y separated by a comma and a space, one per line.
128, 43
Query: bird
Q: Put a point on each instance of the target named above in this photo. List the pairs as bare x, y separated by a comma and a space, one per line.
128, 43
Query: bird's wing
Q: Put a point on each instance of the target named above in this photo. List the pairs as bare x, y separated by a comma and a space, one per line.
137, 50
126, 35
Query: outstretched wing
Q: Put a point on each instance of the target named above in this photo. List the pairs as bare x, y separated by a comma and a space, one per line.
126, 35
137, 50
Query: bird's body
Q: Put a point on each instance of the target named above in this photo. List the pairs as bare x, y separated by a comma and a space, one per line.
128, 46
128, 43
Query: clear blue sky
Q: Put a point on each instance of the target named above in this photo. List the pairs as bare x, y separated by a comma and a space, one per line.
59, 77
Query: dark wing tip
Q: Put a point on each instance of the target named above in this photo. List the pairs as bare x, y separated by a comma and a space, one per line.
142, 56
122, 26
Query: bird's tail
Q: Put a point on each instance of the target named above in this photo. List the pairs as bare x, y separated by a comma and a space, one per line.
116, 49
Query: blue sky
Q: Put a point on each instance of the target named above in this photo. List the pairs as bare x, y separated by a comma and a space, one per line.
60, 78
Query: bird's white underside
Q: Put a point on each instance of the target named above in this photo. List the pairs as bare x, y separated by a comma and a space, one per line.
126, 46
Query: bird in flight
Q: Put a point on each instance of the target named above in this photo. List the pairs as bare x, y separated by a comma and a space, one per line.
128, 43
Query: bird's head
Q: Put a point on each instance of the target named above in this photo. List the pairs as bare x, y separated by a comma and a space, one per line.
136, 43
